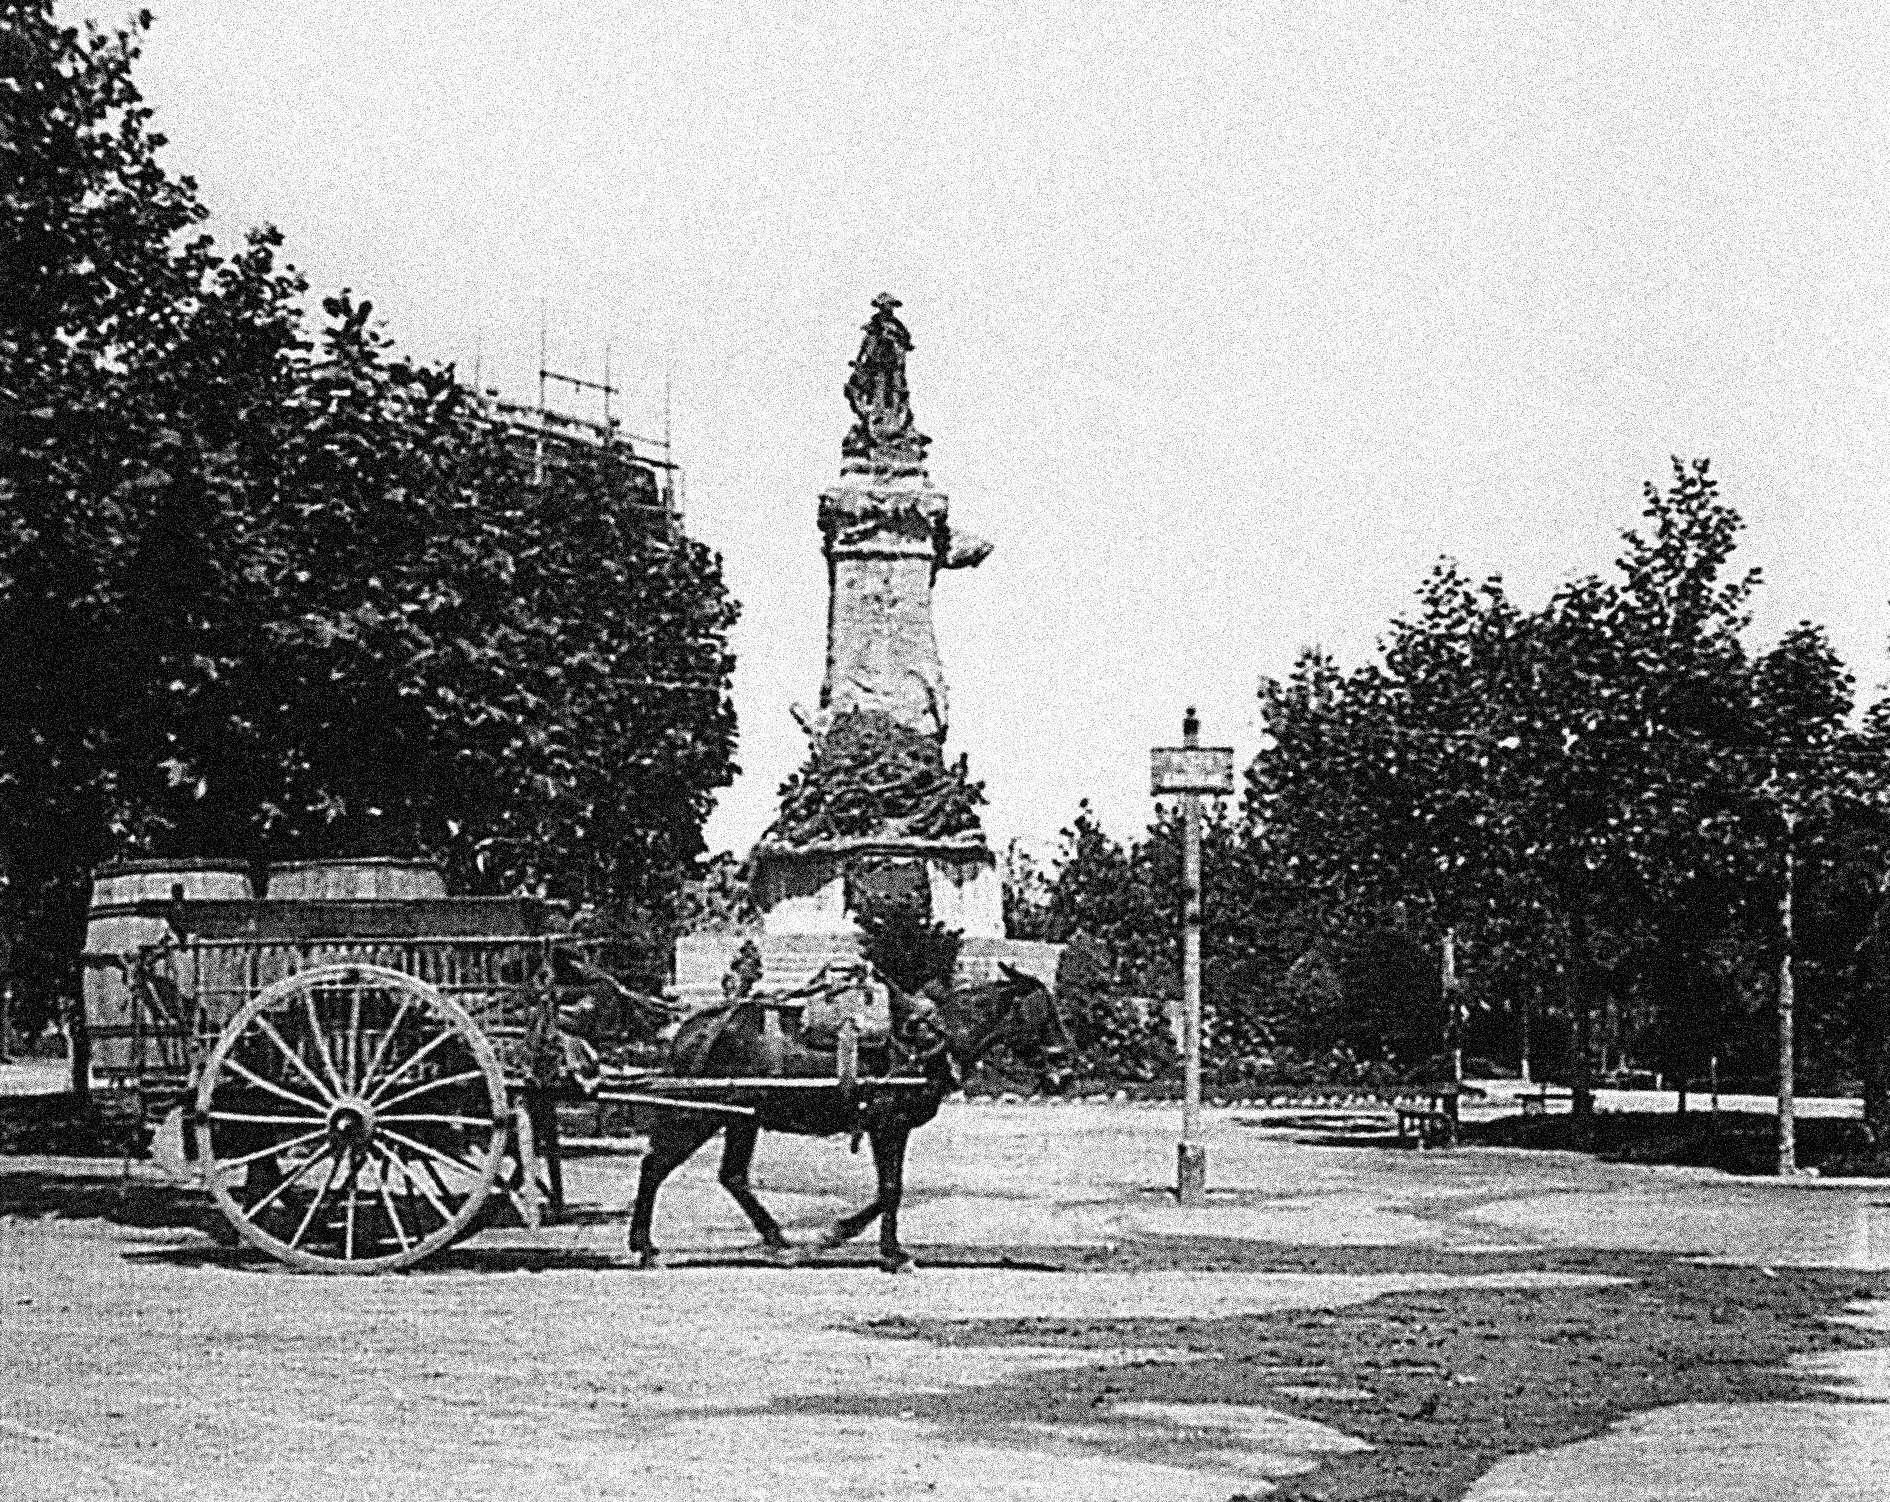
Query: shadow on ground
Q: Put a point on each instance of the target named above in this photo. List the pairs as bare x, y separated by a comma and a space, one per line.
1441, 1384
515, 1259
119, 1200
139, 1203
1737, 1142
65, 1125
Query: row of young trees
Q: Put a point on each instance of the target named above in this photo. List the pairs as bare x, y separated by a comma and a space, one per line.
268, 592
1596, 799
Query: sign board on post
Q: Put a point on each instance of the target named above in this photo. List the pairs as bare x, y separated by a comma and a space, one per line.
1192, 769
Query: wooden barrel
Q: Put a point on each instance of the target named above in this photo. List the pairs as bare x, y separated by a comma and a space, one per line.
369, 878
114, 929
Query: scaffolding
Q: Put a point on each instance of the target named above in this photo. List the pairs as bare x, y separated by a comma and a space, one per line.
655, 480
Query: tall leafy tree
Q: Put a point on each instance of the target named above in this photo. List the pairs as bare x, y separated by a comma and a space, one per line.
270, 596
129, 353
1573, 789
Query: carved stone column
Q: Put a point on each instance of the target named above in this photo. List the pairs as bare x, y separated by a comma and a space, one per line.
886, 535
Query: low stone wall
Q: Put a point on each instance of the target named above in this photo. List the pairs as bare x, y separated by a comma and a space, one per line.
790, 959
978, 959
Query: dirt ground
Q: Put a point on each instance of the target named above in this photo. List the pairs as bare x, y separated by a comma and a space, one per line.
1342, 1322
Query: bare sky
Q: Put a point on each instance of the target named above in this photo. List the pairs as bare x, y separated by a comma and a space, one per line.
1230, 318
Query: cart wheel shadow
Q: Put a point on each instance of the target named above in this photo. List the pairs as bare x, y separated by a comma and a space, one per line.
475, 1260
206, 1239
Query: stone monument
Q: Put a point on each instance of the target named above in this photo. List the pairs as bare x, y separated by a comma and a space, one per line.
877, 807
876, 812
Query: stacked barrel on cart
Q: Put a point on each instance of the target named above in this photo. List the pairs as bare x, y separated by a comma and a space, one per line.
125, 918
138, 1034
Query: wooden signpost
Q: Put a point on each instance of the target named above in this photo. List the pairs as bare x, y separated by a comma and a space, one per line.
1192, 772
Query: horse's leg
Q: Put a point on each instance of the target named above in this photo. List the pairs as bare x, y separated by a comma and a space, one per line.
542, 1109
889, 1161
674, 1136
847, 1227
738, 1152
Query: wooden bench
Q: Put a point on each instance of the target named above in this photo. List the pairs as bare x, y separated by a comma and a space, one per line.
1538, 1103
1434, 1123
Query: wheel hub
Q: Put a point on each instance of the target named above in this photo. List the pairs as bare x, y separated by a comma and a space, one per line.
351, 1123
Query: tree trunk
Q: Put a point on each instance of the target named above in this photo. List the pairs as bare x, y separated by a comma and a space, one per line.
1870, 1040
1582, 1082
79, 1042
1874, 1066
1575, 995
1679, 1061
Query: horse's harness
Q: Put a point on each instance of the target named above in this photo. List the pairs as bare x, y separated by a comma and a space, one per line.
918, 1045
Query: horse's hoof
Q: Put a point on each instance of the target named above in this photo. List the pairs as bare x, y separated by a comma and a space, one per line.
900, 1262
787, 1254
834, 1236
648, 1258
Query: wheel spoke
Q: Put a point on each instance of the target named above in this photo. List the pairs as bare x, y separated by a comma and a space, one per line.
432, 1152
219, 1164
414, 1181
393, 1215
413, 1208
380, 1049
274, 1089
451, 1079
354, 1035
314, 1205
252, 1211
294, 1058
434, 1174
471, 1121
283, 1120
347, 1234
449, 1036
321, 1043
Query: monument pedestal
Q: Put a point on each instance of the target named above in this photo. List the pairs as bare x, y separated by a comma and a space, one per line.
814, 889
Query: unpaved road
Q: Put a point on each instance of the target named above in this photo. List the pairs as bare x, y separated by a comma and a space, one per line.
140, 1361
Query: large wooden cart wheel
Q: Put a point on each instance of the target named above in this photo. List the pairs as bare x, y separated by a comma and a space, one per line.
351, 1119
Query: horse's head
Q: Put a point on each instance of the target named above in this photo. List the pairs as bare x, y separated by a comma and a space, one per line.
1018, 1011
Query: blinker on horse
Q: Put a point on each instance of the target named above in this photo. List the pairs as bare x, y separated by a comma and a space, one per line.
935, 1040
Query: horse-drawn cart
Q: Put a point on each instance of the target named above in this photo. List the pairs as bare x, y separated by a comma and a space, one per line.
363, 1083
355, 1078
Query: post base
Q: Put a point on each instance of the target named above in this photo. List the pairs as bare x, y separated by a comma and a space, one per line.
1191, 1173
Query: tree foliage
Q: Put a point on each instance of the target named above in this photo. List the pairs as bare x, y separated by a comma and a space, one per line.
908, 948
1594, 797
271, 595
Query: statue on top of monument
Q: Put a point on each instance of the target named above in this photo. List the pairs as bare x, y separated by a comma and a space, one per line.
884, 434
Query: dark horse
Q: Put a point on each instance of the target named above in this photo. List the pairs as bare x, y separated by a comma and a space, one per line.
931, 1039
